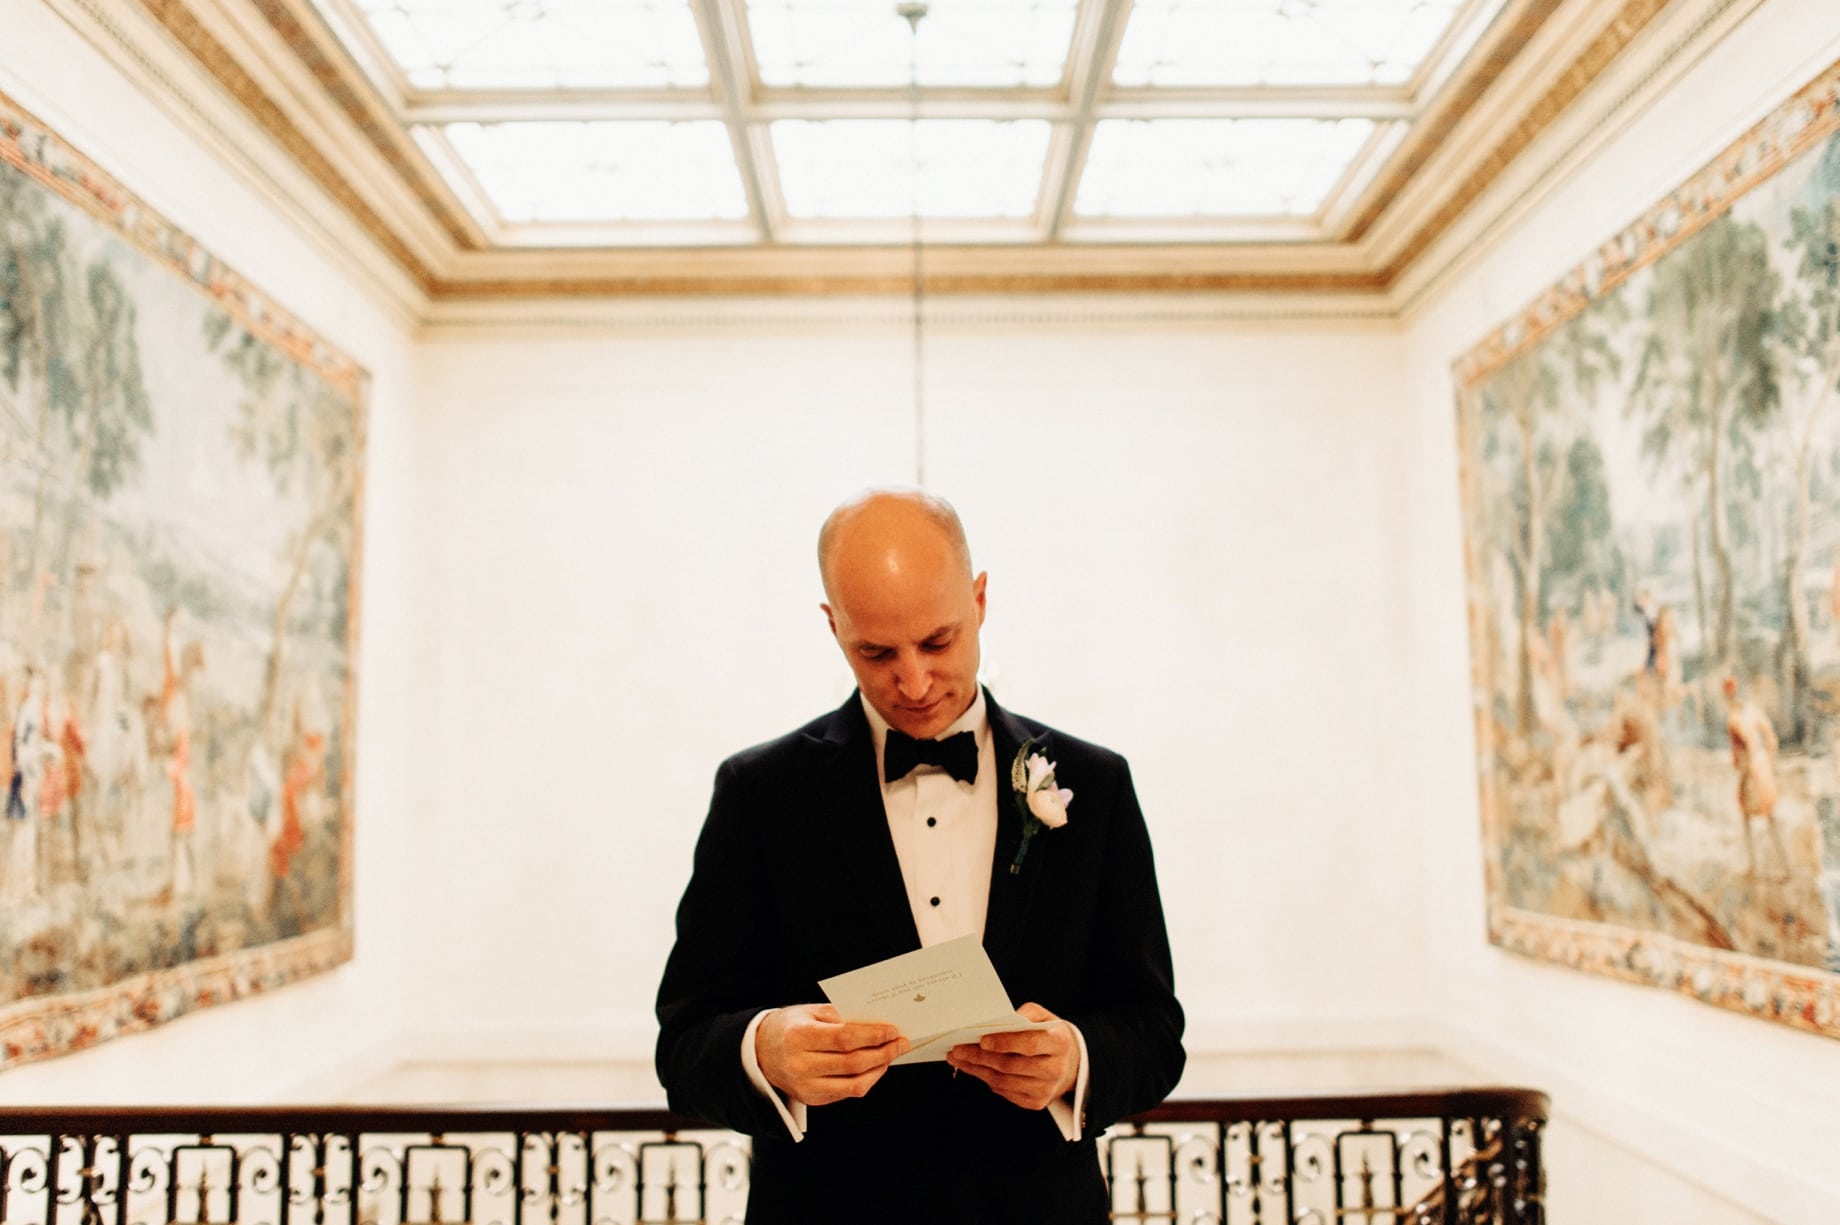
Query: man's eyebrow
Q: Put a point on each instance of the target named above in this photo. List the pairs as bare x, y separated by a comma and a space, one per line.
865, 644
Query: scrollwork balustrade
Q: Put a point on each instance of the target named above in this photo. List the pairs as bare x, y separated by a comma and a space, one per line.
1432, 1157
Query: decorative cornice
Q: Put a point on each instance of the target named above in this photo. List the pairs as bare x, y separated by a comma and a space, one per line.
1612, 42
1455, 104
963, 283
179, 20
470, 317
346, 86
1678, 40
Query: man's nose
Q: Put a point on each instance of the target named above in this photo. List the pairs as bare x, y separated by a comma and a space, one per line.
911, 676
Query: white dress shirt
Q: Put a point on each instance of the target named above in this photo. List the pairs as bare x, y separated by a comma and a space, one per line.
945, 835
944, 832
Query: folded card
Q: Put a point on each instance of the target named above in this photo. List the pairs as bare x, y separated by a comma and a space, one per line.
937, 997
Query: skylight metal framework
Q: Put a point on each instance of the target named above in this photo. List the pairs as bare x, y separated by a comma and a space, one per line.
633, 123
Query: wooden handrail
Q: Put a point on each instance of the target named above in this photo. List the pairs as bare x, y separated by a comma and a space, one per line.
1462, 1102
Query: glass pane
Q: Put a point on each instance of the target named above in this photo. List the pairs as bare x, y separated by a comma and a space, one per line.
865, 43
540, 44
867, 167
639, 170
1216, 167
1279, 42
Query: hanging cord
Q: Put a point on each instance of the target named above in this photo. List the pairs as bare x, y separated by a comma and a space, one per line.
912, 11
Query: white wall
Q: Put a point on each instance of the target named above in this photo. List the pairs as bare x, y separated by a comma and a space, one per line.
1186, 528
1665, 1109
271, 1046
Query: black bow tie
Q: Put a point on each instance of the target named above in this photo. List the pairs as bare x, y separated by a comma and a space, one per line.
956, 755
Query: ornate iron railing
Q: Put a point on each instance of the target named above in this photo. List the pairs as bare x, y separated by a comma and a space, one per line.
1447, 1157
1429, 1157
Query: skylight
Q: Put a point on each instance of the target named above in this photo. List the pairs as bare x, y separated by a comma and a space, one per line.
540, 44
635, 170
871, 167
581, 122
832, 43
1279, 42
1216, 167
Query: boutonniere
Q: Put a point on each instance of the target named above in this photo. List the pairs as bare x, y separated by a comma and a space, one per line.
1041, 803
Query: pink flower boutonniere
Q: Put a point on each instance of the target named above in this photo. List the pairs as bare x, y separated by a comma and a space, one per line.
1041, 802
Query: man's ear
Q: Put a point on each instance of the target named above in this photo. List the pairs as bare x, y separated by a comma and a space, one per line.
830, 617
977, 592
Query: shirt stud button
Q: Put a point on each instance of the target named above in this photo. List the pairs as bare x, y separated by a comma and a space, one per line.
935, 901
931, 822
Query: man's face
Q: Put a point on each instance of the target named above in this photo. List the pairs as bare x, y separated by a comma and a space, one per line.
908, 623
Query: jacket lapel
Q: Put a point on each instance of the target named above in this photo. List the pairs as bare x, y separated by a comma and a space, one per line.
869, 895
1012, 895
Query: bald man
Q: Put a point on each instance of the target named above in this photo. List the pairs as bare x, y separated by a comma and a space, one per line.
888, 825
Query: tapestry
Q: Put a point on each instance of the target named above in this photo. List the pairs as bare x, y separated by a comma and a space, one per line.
180, 493
1651, 497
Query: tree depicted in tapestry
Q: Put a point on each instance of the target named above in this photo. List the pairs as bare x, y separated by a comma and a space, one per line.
1651, 459
179, 481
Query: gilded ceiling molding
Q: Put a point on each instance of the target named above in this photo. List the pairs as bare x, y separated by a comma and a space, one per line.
348, 88
471, 317
1429, 133
1609, 44
506, 289
179, 21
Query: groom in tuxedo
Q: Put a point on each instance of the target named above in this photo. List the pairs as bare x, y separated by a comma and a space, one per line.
888, 825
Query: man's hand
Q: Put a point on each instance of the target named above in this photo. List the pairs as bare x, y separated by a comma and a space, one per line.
811, 1054
1030, 1067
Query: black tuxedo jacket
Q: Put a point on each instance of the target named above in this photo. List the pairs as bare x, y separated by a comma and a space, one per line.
796, 879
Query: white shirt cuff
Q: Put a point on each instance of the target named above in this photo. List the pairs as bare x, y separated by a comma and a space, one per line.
1070, 1115
792, 1110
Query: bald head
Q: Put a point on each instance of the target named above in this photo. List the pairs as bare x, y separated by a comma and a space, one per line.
904, 606
880, 524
